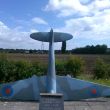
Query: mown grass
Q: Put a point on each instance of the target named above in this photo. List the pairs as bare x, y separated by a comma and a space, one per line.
102, 81
90, 78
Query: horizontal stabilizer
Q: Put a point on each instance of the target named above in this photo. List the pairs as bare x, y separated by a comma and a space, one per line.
45, 36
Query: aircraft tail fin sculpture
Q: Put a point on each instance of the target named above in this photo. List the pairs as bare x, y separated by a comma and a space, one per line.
51, 37
71, 88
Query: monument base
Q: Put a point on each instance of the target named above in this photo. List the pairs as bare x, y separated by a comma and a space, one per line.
50, 101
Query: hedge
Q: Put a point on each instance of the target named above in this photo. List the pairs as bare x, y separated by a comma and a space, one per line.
101, 69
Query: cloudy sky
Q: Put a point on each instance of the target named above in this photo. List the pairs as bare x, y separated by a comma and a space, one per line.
87, 20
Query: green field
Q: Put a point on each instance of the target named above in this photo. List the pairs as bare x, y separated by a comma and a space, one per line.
43, 58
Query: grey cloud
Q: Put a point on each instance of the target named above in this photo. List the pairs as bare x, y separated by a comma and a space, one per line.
78, 8
87, 28
81, 15
13, 38
104, 8
86, 2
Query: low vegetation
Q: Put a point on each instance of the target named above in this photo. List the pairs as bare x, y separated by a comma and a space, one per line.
101, 70
91, 79
15, 70
12, 70
74, 66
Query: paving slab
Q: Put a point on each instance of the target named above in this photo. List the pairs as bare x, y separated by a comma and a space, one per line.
91, 104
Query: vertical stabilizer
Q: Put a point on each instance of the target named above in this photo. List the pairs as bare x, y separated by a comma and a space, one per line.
51, 75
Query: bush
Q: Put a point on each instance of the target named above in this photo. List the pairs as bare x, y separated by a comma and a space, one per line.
101, 69
60, 68
26, 69
38, 69
15, 70
74, 66
108, 69
22, 70
3, 67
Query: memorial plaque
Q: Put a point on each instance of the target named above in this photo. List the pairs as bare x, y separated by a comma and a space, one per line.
51, 102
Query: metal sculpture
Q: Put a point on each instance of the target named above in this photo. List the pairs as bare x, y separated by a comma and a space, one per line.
51, 37
71, 88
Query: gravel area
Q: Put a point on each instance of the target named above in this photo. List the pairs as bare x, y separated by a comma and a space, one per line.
93, 104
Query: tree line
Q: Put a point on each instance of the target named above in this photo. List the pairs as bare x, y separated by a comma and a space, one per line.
98, 49
89, 49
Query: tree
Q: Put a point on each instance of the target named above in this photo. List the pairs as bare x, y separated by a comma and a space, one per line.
98, 49
63, 48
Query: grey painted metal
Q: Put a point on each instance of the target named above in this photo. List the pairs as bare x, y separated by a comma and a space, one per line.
51, 75
44, 36
51, 37
71, 88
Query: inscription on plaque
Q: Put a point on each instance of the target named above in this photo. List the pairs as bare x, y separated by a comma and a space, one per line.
51, 102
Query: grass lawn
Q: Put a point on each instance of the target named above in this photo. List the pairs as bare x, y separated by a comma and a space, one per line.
99, 81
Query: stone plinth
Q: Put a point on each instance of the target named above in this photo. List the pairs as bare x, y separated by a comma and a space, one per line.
51, 101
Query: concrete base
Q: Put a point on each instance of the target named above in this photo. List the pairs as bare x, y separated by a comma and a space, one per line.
90, 104
51, 101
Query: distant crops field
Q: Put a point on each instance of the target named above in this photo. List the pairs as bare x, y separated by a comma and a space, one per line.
43, 58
